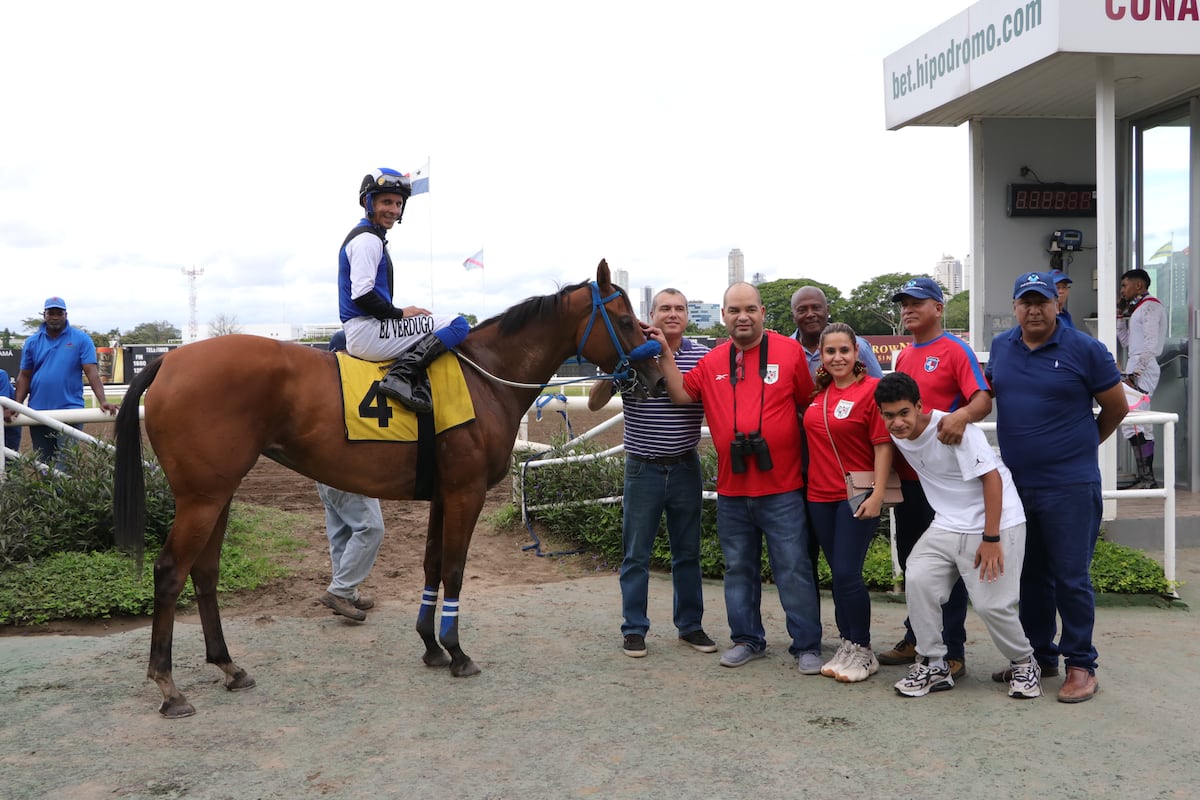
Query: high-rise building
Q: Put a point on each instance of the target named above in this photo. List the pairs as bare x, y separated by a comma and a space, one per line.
949, 273
621, 278
737, 266
647, 303
705, 315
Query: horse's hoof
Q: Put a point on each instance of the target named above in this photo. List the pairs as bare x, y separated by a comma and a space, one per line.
176, 709
436, 658
464, 670
240, 682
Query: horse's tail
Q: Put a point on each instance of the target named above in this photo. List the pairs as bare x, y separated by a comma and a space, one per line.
129, 485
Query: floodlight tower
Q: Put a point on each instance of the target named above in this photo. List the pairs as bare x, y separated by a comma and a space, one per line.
191, 273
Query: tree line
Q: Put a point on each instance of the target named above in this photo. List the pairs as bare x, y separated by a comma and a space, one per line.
869, 308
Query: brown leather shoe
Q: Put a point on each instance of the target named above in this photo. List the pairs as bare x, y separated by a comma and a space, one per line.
364, 602
905, 652
340, 605
1079, 686
1005, 675
958, 669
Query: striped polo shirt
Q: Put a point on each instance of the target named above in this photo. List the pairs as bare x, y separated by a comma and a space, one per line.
655, 427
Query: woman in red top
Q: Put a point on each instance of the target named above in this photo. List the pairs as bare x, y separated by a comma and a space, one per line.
845, 433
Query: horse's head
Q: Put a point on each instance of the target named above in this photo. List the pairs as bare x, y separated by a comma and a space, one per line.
613, 339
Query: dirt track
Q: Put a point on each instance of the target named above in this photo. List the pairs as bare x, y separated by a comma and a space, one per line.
348, 711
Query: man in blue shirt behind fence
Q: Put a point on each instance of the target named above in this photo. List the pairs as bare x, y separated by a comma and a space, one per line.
52, 363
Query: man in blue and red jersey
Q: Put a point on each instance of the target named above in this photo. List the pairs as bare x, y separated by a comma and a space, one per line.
662, 474
951, 380
754, 387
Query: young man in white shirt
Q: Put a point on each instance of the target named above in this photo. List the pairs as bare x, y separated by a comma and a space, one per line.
978, 534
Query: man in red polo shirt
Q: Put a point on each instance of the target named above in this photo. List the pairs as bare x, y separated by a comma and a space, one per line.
753, 388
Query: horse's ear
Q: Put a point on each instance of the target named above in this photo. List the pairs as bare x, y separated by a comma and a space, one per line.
603, 277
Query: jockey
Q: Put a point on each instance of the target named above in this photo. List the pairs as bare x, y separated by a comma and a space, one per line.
376, 329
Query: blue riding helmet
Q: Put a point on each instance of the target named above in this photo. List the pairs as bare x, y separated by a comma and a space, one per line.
383, 180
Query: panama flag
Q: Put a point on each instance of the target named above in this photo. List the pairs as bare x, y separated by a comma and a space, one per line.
475, 261
1164, 251
420, 179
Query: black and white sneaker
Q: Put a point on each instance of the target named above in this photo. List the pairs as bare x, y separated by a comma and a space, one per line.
923, 679
635, 645
1026, 680
699, 640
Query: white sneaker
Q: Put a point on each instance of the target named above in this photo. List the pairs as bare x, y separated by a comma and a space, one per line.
1026, 680
859, 665
923, 679
830, 670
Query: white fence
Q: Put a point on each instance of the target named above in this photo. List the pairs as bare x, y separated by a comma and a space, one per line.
62, 421
1166, 493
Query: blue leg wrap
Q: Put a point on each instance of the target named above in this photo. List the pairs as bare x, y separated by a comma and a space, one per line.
428, 605
449, 616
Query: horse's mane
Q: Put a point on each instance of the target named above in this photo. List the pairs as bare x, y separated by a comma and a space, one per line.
516, 317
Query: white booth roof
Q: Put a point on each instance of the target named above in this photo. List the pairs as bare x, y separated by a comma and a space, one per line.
1005, 58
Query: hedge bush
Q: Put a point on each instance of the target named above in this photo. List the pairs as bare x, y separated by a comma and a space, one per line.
1115, 568
45, 514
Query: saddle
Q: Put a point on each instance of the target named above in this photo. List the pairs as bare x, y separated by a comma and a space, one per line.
371, 416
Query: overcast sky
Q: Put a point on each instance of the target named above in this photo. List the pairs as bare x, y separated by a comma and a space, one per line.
142, 139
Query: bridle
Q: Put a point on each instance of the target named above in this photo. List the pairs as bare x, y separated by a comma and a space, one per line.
623, 372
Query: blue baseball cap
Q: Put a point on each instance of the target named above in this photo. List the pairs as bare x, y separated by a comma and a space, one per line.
920, 289
1040, 282
1060, 277
55, 302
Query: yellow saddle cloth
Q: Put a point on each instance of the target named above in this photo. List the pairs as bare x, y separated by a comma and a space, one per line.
373, 417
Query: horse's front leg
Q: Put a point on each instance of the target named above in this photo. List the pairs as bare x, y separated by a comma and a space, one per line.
434, 655
458, 525
205, 574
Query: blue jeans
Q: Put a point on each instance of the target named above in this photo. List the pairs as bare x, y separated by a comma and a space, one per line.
913, 518
49, 444
742, 522
845, 541
354, 526
1062, 523
651, 489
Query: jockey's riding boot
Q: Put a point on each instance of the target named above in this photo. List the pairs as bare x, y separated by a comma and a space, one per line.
406, 382
1145, 471
1148, 481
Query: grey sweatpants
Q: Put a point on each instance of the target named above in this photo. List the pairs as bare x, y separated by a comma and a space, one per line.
937, 561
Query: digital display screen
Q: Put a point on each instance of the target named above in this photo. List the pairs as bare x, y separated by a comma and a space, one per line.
1051, 200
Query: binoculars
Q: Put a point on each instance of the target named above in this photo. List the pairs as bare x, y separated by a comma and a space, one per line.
745, 445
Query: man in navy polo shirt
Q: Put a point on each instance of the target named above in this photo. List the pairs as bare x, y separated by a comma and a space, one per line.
52, 362
1045, 377
662, 473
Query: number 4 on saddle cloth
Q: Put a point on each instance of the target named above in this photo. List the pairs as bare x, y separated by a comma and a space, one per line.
373, 417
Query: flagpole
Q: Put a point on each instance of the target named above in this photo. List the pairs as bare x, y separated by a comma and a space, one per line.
433, 305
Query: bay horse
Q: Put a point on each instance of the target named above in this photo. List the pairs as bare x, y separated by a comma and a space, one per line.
216, 405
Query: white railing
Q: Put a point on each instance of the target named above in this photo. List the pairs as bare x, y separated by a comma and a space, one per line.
62, 420
1166, 493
